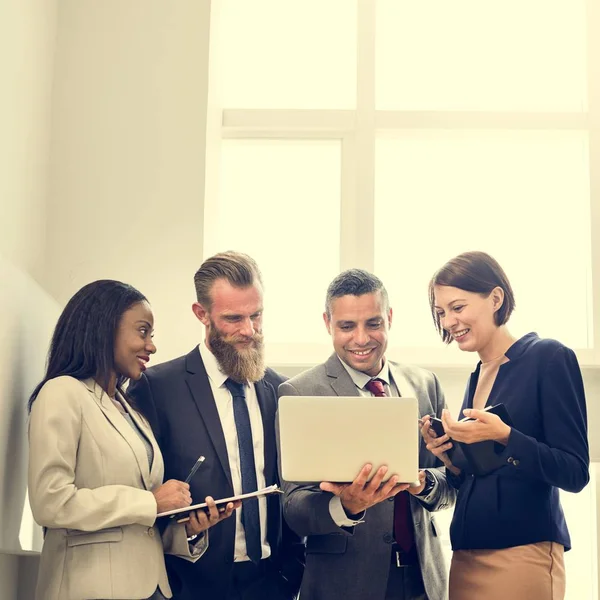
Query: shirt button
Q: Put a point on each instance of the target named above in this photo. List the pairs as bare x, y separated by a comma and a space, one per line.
151, 531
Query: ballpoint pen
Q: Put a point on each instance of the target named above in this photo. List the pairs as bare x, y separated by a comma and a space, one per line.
194, 469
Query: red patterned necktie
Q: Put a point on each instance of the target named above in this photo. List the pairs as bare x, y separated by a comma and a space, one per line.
403, 525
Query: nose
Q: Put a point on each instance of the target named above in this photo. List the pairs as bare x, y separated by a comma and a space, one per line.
361, 336
247, 328
150, 347
448, 322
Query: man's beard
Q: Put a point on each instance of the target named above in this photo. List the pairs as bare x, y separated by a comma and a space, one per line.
246, 365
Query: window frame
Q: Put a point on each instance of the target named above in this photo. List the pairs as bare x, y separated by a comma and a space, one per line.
357, 131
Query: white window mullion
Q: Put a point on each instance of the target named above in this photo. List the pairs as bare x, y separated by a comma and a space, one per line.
593, 60
357, 247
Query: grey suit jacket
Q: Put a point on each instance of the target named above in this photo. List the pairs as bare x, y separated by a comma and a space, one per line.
353, 563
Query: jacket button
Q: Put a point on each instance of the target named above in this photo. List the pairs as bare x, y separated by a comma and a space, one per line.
515, 463
388, 538
510, 459
151, 531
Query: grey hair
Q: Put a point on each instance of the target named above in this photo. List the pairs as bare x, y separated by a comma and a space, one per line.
354, 282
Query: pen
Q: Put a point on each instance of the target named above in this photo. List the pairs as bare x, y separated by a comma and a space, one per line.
194, 469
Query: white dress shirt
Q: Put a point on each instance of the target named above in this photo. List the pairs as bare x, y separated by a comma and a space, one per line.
224, 402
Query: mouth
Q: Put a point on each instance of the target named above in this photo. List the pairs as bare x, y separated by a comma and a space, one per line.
459, 335
142, 360
362, 353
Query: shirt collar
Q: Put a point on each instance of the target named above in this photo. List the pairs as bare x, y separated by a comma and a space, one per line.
211, 364
361, 379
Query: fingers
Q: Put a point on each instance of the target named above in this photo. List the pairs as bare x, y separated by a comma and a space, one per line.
334, 488
363, 475
389, 485
375, 482
212, 510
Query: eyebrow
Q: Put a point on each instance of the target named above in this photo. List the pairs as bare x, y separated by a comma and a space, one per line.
144, 322
451, 302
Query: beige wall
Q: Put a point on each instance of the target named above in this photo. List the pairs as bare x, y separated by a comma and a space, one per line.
127, 156
27, 40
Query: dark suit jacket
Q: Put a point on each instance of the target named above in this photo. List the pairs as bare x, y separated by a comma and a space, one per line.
177, 399
542, 389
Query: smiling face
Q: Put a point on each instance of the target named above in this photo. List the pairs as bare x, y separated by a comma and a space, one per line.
234, 329
133, 341
359, 327
468, 316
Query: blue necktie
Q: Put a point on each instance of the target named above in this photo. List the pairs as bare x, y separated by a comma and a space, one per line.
250, 516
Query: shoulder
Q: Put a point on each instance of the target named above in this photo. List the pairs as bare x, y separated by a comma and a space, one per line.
274, 378
540, 349
59, 393
309, 378
65, 384
166, 369
413, 372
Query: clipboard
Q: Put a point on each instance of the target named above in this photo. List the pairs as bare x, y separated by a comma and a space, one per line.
272, 489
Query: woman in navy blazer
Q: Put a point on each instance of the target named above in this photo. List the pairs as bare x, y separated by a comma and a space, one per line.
508, 532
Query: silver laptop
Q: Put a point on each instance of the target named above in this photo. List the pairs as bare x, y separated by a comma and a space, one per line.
330, 438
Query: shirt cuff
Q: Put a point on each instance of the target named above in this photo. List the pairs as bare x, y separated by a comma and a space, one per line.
427, 495
339, 516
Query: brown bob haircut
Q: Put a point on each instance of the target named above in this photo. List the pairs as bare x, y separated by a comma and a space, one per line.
474, 272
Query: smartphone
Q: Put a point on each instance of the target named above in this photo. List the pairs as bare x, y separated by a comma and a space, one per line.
437, 426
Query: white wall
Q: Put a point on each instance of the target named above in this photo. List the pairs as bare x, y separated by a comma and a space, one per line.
27, 39
128, 150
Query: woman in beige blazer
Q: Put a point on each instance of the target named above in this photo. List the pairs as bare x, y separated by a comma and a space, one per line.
95, 469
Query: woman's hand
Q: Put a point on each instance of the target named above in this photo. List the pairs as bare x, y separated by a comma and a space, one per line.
203, 518
438, 446
171, 495
486, 426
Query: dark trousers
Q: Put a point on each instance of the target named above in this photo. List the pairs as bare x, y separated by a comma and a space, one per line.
255, 582
405, 582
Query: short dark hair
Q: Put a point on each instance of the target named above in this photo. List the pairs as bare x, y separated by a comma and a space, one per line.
83, 342
473, 272
237, 268
354, 282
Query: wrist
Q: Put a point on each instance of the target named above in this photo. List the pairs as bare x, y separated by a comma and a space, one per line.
504, 436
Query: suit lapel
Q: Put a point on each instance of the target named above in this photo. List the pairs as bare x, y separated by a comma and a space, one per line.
339, 378
157, 470
111, 412
199, 385
266, 396
406, 388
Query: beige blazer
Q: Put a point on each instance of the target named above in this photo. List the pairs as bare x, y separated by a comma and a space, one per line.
89, 484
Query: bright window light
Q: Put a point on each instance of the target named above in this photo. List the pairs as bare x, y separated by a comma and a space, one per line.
523, 197
279, 201
519, 55
287, 54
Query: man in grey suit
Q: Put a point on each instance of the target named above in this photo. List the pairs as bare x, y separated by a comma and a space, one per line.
369, 540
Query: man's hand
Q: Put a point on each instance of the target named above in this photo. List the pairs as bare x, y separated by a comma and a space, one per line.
360, 494
486, 426
202, 519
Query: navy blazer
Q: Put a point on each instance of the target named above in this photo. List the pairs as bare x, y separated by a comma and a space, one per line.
542, 388
177, 399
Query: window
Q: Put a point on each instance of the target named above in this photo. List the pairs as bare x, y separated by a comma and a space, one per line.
392, 135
